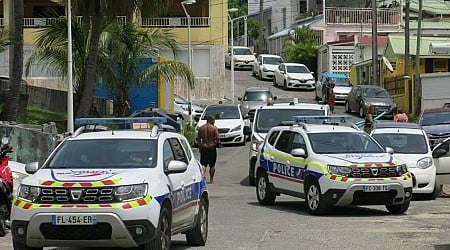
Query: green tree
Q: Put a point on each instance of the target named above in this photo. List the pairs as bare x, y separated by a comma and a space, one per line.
302, 48
125, 47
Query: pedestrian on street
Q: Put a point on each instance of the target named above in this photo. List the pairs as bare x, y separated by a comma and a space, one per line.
368, 121
208, 140
331, 98
400, 116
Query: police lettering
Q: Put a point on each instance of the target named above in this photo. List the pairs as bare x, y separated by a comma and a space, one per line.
183, 195
283, 169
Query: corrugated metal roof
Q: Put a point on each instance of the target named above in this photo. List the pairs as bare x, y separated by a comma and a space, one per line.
430, 25
431, 6
304, 22
396, 45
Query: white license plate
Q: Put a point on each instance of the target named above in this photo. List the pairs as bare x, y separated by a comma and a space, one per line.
376, 188
74, 220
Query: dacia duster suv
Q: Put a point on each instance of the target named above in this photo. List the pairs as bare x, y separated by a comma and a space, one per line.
117, 188
331, 165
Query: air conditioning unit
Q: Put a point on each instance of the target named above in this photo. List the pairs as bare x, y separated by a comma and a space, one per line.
440, 48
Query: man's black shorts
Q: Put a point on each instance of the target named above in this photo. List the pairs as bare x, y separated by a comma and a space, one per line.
208, 156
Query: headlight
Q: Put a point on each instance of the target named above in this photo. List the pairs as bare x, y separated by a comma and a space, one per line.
130, 192
238, 128
255, 145
424, 163
29, 193
402, 169
18, 177
339, 170
366, 104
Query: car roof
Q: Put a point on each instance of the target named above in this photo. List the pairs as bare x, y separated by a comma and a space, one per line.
295, 106
436, 110
326, 128
269, 55
380, 125
222, 105
293, 64
257, 89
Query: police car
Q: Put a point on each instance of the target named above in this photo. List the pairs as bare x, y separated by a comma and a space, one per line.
330, 165
116, 188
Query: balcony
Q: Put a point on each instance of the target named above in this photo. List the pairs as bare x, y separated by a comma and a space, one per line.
174, 22
361, 16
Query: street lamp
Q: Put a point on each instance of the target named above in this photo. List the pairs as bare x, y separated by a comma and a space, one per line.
232, 53
189, 53
70, 119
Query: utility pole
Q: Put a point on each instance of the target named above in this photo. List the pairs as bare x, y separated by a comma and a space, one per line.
374, 45
417, 83
261, 27
407, 40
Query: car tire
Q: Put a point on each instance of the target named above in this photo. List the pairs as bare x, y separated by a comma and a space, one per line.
263, 191
434, 194
199, 234
285, 86
361, 112
21, 246
398, 209
260, 75
253, 72
163, 233
347, 108
315, 204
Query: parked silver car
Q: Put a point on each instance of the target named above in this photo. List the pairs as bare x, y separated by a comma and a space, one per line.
361, 97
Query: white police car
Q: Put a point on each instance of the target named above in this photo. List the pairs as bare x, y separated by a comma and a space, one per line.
117, 188
330, 165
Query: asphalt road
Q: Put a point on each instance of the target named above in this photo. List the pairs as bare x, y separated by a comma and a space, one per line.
237, 221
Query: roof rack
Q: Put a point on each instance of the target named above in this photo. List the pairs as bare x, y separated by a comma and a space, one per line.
324, 119
135, 122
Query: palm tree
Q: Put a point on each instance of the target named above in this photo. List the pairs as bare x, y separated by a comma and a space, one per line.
126, 47
10, 110
94, 13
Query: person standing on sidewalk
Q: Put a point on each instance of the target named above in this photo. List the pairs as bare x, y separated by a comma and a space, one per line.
208, 139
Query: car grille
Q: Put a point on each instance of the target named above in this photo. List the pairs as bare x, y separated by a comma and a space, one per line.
383, 108
78, 195
101, 231
223, 130
374, 172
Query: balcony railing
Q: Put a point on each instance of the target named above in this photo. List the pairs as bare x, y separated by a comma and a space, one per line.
361, 16
175, 22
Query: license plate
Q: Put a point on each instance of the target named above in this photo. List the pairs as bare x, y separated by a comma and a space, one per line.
74, 220
376, 188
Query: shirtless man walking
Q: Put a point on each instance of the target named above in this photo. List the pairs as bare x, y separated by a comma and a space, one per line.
208, 138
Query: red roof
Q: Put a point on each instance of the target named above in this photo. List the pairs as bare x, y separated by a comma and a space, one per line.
368, 40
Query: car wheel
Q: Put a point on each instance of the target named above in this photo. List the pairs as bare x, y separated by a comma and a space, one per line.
253, 73
285, 86
2, 222
260, 75
361, 112
263, 192
435, 193
398, 209
163, 233
20, 246
347, 107
315, 203
198, 235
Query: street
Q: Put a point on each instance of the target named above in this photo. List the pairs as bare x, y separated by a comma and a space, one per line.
237, 221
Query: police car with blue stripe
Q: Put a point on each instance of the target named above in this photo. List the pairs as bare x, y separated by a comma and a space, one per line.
327, 164
113, 188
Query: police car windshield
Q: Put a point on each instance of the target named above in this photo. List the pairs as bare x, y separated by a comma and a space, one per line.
403, 143
267, 118
343, 142
105, 153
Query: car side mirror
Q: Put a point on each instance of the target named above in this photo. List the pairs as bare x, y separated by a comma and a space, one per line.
389, 150
176, 167
439, 153
32, 167
312, 72
298, 152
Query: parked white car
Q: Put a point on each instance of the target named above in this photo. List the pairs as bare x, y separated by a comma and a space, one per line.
243, 57
265, 65
410, 143
233, 125
181, 106
294, 76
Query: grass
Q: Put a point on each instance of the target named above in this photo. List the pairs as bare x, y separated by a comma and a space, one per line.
37, 116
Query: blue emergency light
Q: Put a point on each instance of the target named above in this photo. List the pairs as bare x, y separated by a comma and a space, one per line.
334, 118
120, 120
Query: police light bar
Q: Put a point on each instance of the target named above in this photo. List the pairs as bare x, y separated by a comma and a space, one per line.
120, 120
334, 118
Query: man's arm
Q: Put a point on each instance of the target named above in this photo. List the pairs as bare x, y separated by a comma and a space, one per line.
217, 135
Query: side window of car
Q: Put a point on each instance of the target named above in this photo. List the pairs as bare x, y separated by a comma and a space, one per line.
273, 137
167, 154
178, 150
298, 142
283, 142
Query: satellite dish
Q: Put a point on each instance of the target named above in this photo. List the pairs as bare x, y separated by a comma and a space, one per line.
388, 64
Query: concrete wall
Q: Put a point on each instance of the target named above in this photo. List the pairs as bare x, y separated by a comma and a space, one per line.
435, 90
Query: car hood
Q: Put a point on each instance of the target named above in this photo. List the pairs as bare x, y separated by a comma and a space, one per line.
363, 158
342, 90
411, 159
380, 101
83, 177
224, 123
271, 67
300, 75
193, 107
249, 58
253, 104
439, 129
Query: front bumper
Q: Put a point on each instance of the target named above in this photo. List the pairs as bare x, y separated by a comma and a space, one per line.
425, 180
243, 65
300, 84
341, 98
232, 137
267, 74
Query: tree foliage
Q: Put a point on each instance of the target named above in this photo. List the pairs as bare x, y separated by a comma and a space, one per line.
301, 48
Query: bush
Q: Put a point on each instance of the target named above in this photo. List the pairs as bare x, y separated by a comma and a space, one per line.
189, 133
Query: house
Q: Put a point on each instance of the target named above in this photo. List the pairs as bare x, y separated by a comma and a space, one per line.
208, 37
